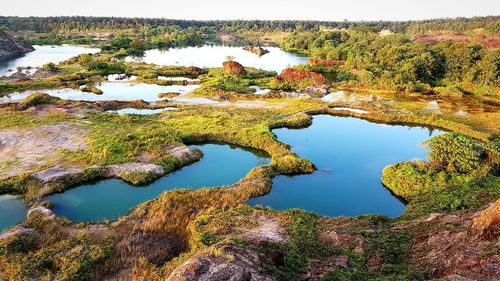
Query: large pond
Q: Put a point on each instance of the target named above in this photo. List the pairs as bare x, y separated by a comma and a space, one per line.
120, 91
12, 211
43, 55
214, 56
350, 155
109, 199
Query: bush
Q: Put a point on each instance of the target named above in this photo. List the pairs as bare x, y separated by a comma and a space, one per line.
138, 178
21, 243
290, 164
36, 99
50, 66
92, 89
455, 153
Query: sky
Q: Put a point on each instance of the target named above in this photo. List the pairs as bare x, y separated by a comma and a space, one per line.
328, 10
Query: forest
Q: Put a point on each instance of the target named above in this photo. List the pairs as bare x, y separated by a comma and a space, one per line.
396, 63
78, 24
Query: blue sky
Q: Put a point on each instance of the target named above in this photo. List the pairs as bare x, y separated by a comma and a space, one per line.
257, 9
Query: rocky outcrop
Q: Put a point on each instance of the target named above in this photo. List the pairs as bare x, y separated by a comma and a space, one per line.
194, 70
488, 219
41, 211
259, 51
19, 76
315, 92
135, 173
46, 72
17, 231
56, 174
58, 178
223, 263
181, 152
168, 95
10, 47
233, 68
300, 78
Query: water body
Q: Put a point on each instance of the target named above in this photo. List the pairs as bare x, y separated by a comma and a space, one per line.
121, 77
42, 55
12, 211
141, 111
164, 78
350, 155
119, 91
214, 56
221, 164
259, 91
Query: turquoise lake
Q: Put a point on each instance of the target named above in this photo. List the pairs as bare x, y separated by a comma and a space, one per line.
350, 155
12, 211
221, 164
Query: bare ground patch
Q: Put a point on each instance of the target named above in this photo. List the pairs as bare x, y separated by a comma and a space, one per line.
25, 150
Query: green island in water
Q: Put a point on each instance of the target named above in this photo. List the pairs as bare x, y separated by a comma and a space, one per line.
245, 150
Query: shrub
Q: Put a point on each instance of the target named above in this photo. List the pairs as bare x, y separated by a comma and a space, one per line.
36, 99
138, 178
455, 152
92, 89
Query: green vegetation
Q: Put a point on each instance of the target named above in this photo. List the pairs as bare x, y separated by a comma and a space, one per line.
54, 25
67, 259
101, 66
36, 99
92, 89
455, 161
395, 63
215, 82
469, 196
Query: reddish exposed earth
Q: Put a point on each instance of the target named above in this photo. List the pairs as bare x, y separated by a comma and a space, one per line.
328, 63
233, 68
492, 42
292, 76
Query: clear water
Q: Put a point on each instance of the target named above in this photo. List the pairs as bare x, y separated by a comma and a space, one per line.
12, 211
350, 155
164, 78
121, 77
355, 110
142, 111
43, 55
259, 91
221, 164
120, 91
214, 56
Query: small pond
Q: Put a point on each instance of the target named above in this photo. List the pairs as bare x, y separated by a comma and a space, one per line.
119, 91
12, 211
214, 56
350, 155
221, 164
42, 55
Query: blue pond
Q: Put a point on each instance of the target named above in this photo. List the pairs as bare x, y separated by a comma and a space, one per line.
350, 155
12, 211
221, 164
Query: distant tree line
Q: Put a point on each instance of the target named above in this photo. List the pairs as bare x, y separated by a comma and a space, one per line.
85, 24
